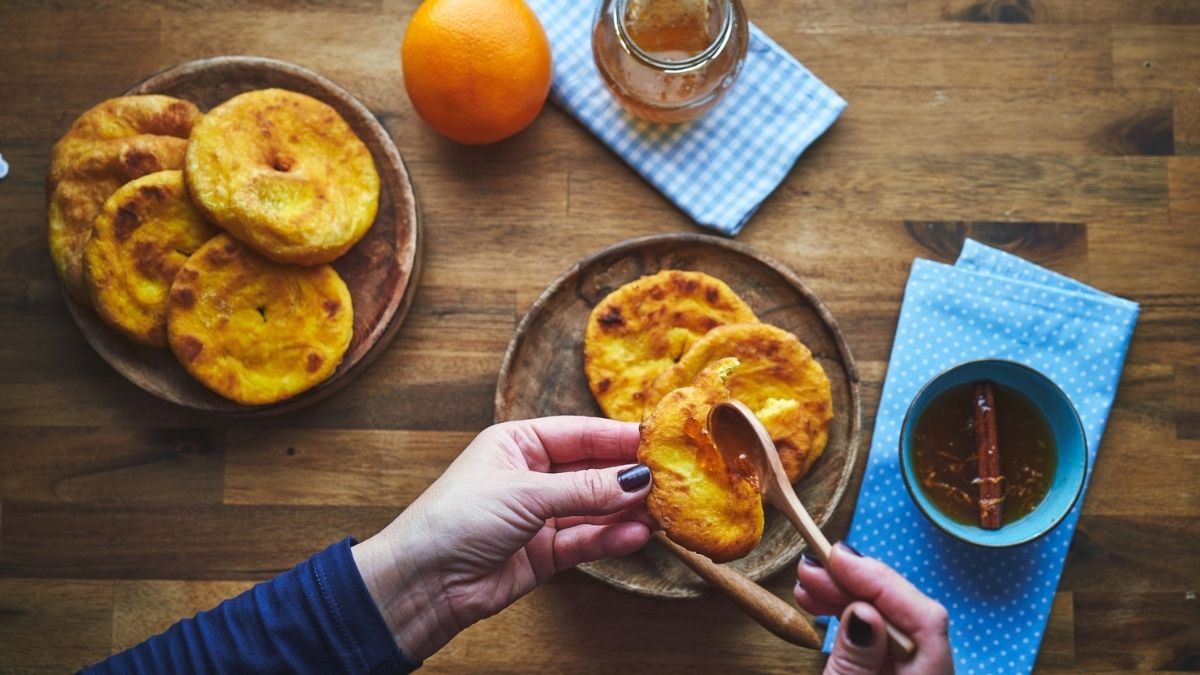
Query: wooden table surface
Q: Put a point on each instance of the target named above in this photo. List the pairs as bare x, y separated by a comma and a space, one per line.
1066, 131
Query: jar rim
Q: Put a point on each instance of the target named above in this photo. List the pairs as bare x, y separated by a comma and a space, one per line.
672, 65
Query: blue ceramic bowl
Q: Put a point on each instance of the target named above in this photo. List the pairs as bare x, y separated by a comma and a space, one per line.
1068, 435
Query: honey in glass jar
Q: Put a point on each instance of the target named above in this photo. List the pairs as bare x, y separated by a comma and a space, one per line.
669, 60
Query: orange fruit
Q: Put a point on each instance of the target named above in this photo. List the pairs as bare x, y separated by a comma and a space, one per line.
477, 71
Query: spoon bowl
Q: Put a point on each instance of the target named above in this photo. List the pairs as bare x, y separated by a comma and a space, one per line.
743, 441
741, 438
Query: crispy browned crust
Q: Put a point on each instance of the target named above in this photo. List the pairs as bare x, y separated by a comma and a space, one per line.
644, 327
284, 173
701, 501
79, 196
107, 146
253, 330
778, 379
142, 236
117, 118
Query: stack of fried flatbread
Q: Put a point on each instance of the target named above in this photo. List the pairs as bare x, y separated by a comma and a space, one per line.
212, 234
663, 350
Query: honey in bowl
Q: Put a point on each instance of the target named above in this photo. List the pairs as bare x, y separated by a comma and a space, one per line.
946, 446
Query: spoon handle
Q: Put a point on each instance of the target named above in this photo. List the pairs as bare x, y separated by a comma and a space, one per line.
760, 604
795, 512
901, 646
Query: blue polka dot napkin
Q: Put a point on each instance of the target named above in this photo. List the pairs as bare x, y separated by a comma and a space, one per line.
990, 304
719, 168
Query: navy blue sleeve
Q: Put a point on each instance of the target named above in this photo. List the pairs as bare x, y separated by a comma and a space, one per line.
317, 617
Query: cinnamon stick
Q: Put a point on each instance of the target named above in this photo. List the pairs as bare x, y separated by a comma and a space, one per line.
990, 498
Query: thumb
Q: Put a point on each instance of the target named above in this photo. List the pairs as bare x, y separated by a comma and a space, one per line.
590, 492
861, 645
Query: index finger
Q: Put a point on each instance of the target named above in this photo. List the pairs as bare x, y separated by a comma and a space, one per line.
548, 441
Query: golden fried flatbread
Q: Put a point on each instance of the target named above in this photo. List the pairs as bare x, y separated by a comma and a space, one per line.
778, 379
142, 236
82, 190
253, 330
117, 118
703, 500
284, 173
644, 327
112, 143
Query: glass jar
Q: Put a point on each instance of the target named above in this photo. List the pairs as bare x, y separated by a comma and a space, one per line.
664, 73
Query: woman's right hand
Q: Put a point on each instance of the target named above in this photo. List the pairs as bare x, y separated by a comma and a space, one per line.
863, 591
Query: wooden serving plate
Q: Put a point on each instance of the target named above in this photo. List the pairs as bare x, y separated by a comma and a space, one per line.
542, 374
381, 270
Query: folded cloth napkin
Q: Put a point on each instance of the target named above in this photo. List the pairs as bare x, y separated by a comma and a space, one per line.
990, 304
719, 168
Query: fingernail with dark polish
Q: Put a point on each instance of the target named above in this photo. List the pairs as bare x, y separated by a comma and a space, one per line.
851, 549
634, 478
810, 560
859, 632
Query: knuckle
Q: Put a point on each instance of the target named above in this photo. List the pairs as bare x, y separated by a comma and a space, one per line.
499, 427
496, 431
592, 486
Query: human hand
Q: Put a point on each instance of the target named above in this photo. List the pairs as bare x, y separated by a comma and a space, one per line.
523, 501
863, 591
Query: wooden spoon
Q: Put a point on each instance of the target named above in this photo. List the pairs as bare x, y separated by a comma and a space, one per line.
772, 613
739, 435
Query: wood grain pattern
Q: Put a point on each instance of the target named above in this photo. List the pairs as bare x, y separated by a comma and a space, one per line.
90, 465
1159, 57
1096, 12
1058, 644
1187, 122
1163, 642
352, 468
542, 374
177, 541
36, 617
1032, 124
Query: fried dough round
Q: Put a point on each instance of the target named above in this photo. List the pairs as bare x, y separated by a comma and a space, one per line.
253, 330
87, 183
644, 327
117, 118
284, 173
703, 500
778, 379
142, 236
108, 145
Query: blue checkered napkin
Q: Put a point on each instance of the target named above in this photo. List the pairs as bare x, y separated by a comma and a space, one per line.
990, 304
719, 168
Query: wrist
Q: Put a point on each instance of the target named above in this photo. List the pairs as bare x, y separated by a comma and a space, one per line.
402, 583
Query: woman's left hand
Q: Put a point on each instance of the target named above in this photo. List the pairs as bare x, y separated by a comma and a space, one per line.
523, 501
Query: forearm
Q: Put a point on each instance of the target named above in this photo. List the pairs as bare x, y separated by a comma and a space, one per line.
317, 617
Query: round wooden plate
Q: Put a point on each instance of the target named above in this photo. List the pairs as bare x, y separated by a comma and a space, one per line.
542, 374
381, 270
